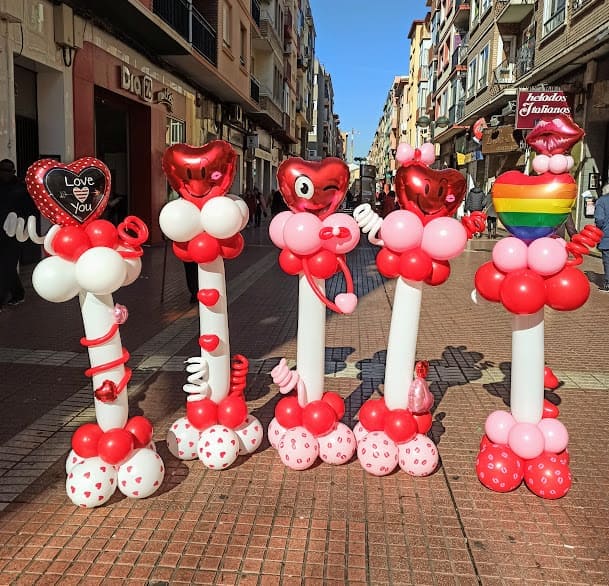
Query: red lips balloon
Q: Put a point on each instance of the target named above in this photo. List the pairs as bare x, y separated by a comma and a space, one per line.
69, 195
314, 187
429, 193
200, 173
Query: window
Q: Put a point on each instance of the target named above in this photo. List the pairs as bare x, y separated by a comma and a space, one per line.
243, 46
484, 6
483, 69
553, 15
474, 12
471, 78
175, 132
227, 19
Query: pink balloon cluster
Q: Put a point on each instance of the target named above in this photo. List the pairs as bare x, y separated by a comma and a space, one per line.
556, 164
426, 153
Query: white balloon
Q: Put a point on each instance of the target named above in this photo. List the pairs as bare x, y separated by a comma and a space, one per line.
141, 474
245, 211
179, 220
54, 279
72, 460
100, 270
250, 434
91, 483
218, 447
221, 217
182, 439
134, 268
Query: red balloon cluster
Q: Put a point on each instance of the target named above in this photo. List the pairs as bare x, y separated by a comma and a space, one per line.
205, 248
401, 425
319, 417
414, 265
323, 264
524, 291
230, 412
115, 445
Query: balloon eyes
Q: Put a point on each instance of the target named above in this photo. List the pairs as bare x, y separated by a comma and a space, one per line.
304, 187
189, 173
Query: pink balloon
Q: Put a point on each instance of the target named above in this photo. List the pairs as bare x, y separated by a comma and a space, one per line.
498, 425
338, 244
275, 432
510, 254
555, 435
276, 228
359, 431
338, 446
301, 233
570, 162
298, 449
404, 153
419, 456
559, 164
377, 453
541, 163
402, 230
444, 238
546, 256
428, 153
526, 440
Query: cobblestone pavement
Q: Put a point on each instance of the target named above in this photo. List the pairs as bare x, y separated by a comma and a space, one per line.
260, 523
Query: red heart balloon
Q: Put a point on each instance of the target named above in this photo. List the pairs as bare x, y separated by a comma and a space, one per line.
429, 193
69, 195
208, 297
317, 187
209, 342
200, 173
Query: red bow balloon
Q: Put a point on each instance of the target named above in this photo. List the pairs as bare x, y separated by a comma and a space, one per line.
200, 173
69, 195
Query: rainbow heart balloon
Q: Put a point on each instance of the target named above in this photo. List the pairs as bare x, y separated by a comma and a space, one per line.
533, 206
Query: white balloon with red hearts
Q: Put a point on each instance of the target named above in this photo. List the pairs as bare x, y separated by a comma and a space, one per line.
91, 483
338, 446
250, 434
218, 447
72, 460
141, 474
419, 456
182, 439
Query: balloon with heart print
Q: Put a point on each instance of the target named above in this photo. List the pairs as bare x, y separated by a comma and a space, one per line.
429, 193
317, 187
200, 173
69, 195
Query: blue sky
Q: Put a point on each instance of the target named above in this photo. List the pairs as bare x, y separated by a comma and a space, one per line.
363, 44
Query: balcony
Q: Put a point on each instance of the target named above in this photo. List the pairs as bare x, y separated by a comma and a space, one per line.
505, 73
577, 5
256, 11
525, 58
513, 11
423, 73
204, 37
462, 13
459, 57
254, 89
269, 39
556, 20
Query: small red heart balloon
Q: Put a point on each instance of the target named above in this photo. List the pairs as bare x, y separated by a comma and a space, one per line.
69, 195
317, 187
429, 193
200, 173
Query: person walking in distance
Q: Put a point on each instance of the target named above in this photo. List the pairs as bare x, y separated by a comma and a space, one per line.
601, 219
474, 202
260, 206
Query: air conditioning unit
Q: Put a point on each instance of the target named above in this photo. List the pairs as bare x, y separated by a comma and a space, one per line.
63, 20
235, 113
509, 109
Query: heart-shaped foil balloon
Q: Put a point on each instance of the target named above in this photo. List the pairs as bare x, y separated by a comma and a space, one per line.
429, 193
69, 195
555, 136
200, 173
317, 187
533, 206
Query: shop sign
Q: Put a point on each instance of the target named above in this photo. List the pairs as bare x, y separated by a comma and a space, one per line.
540, 105
140, 85
499, 140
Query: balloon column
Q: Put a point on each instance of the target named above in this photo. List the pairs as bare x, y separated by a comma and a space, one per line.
91, 258
529, 270
418, 241
313, 241
205, 225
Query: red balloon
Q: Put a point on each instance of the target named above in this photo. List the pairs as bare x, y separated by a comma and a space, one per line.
424, 422
85, 440
523, 292
289, 262
488, 281
388, 263
550, 411
415, 265
548, 475
232, 247
567, 290
485, 443
180, 249
549, 378
232, 411
70, 242
323, 264
319, 418
372, 414
203, 248
102, 233
498, 468
336, 402
115, 445
440, 271
141, 429
400, 425
288, 412
202, 413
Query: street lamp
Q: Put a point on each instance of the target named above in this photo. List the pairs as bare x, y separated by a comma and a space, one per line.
360, 160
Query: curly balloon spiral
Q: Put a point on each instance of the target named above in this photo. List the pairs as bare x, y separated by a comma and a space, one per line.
238, 374
16, 227
369, 222
582, 242
197, 379
288, 380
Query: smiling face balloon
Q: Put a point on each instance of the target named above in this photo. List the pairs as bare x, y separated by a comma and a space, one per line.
314, 187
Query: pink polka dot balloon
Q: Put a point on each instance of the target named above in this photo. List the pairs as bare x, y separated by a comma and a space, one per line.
298, 448
91, 483
419, 456
338, 446
275, 432
182, 439
218, 447
250, 434
141, 474
359, 431
377, 453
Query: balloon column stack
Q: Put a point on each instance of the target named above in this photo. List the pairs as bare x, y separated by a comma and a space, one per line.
91, 258
205, 225
417, 243
313, 241
529, 270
